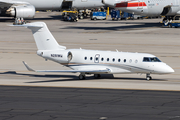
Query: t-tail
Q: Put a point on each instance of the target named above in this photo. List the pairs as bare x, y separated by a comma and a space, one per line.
43, 37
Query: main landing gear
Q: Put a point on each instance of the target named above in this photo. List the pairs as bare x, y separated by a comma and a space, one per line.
148, 77
97, 76
82, 76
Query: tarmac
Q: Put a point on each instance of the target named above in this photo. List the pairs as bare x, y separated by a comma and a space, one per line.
144, 36
43, 103
29, 95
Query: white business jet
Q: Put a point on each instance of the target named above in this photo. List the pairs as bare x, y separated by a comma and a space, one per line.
93, 61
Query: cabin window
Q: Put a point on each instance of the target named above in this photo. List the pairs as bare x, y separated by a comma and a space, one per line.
85, 58
102, 59
91, 58
130, 60
119, 60
113, 59
124, 60
107, 59
136, 61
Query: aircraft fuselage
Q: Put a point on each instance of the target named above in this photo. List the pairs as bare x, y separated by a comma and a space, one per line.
116, 62
147, 7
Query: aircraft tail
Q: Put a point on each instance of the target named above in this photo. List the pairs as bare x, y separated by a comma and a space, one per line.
42, 36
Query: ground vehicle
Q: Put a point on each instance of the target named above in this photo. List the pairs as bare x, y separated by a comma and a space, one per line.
172, 24
98, 16
115, 14
70, 16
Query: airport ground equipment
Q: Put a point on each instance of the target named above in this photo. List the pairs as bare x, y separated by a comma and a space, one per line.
70, 16
126, 16
115, 15
172, 24
98, 16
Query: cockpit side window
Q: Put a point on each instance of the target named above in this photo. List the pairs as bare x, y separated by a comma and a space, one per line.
146, 59
155, 59
151, 59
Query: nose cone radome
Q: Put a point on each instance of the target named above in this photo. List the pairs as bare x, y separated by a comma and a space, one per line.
165, 69
170, 70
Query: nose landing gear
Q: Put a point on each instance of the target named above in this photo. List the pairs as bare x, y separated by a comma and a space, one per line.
148, 77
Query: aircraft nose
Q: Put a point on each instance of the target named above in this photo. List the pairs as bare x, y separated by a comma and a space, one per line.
170, 70
167, 69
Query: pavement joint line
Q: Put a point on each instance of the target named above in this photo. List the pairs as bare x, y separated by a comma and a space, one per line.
91, 88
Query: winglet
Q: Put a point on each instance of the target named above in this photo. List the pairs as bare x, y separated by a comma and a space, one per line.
30, 69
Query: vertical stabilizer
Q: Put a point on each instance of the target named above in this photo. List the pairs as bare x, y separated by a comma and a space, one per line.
43, 37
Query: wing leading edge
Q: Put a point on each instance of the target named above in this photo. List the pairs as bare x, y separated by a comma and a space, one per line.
101, 71
5, 3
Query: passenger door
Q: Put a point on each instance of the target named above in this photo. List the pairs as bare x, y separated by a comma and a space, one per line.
96, 58
140, 4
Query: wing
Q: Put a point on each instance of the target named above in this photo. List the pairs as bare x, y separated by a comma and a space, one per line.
5, 3
101, 71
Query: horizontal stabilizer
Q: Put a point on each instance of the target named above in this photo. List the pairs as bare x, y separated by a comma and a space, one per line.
69, 71
25, 64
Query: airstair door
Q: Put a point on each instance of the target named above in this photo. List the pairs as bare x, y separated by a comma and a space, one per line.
96, 59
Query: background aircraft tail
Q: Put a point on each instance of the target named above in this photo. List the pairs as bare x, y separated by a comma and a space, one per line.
43, 37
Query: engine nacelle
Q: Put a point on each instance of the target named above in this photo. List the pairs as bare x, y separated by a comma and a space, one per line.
60, 56
27, 11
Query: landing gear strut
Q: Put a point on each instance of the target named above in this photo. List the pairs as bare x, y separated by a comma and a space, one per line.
97, 76
82, 76
148, 77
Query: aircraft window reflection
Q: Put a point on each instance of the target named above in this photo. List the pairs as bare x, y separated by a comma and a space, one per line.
130, 60
155, 59
149, 59
146, 59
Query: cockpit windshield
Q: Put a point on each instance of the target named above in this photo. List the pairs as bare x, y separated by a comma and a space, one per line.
151, 59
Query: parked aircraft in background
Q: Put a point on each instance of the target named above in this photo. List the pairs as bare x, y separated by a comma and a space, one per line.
26, 8
93, 61
168, 8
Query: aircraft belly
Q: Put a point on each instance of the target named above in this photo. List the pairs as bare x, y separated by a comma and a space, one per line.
134, 10
86, 4
114, 69
44, 4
